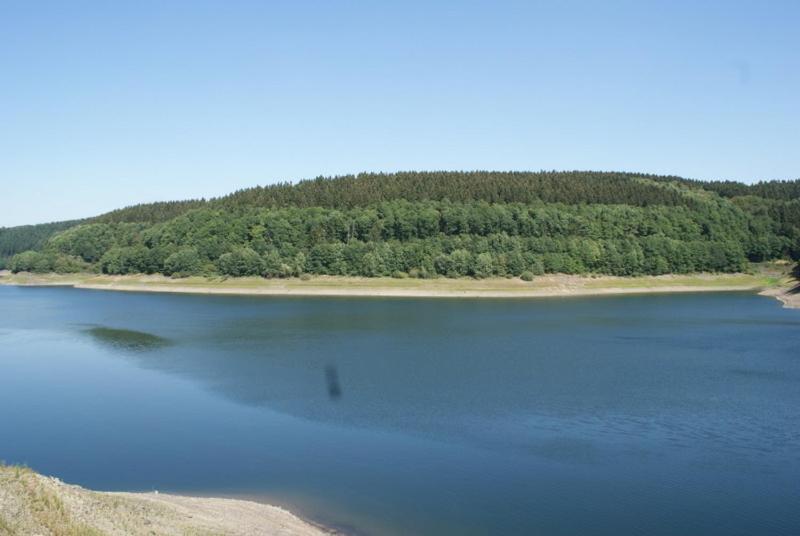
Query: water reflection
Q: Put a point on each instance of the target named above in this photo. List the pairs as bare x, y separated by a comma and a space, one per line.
126, 339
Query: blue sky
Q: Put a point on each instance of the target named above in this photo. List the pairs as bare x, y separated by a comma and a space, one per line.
106, 104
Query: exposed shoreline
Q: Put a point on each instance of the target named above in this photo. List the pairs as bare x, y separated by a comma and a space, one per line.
789, 296
31, 503
541, 287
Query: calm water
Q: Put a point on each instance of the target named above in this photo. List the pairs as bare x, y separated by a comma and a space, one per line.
635, 415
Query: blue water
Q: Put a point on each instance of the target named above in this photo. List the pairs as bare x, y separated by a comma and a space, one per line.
632, 415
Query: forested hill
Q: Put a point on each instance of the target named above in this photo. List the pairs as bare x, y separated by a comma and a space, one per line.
572, 187
370, 188
24, 237
779, 190
493, 187
431, 224
365, 189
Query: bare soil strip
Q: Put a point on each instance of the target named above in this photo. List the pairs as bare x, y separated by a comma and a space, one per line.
544, 286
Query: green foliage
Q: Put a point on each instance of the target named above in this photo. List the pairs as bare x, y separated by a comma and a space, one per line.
451, 239
483, 266
779, 190
150, 212
453, 224
183, 263
28, 261
67, 264
90, 242
15, 240
129, 260
38, 262
240, 262
368, 189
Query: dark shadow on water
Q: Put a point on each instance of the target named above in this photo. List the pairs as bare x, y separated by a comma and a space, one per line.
126, 339
332, 380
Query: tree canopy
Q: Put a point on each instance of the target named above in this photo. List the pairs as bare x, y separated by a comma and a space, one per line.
452, 224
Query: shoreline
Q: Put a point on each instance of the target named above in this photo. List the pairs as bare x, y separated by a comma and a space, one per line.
31, 503
547, 286
788, 296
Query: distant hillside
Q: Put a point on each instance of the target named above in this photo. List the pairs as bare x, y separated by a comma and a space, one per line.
365, 189
569, 187
370, 188
150, 212
436, 223
779, 190
14, 240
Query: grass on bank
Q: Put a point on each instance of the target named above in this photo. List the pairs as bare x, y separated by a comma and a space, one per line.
29, 508
763, 276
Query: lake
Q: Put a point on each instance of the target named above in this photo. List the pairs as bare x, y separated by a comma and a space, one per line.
668, 414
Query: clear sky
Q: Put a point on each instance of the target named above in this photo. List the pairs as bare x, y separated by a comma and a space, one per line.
106, 104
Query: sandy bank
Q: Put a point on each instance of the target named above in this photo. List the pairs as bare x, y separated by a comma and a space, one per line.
418, 293
34, 504
789, 296
544, 286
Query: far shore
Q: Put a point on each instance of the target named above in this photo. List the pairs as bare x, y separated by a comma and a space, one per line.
773, 284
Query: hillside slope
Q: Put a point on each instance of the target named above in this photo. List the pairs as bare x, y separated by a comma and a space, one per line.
427, 224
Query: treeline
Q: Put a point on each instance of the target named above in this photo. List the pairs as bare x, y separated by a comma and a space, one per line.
150, 212
780, 199
366, 189
574, 187
26, 237
424, 239
779, 190
434, 223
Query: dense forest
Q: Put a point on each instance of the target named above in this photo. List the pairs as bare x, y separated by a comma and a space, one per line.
431, 224
28, 237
